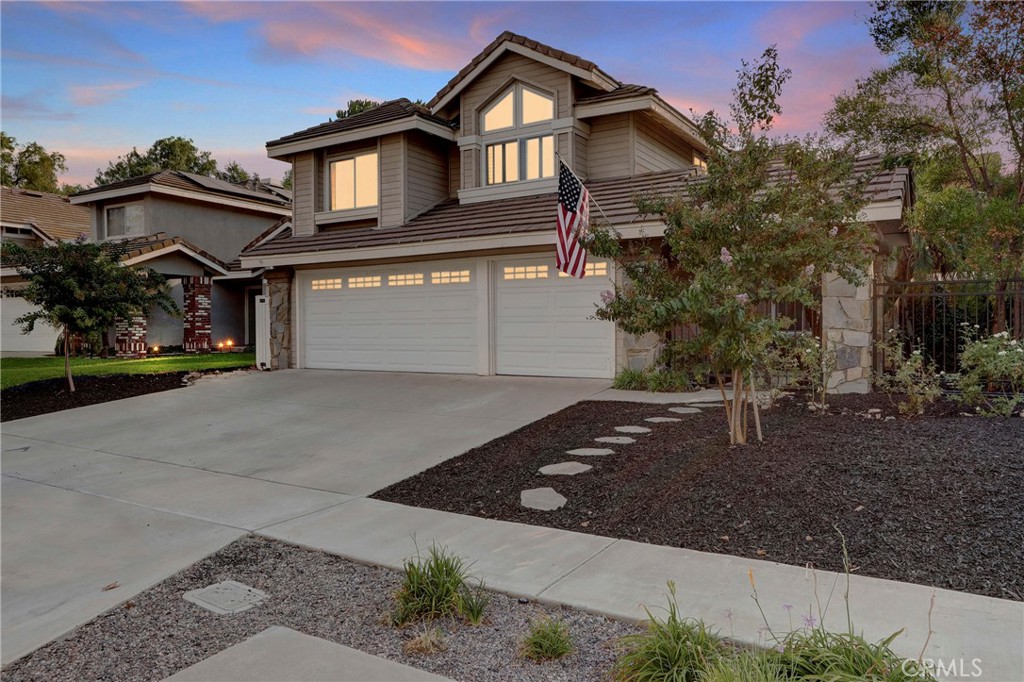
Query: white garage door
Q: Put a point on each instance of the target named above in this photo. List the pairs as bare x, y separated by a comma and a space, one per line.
415, 318
543, 321
41, 340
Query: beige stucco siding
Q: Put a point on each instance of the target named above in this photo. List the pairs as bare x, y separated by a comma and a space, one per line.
303, 176
426, 173
392, 191
610, 153
657, 149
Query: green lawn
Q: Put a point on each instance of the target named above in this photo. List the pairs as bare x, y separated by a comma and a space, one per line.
15, 371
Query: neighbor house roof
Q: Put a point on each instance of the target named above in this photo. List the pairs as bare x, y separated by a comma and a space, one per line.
191, 183
51, 214
615, 197
508, 38
152, 246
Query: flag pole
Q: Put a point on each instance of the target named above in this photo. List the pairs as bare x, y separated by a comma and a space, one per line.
603, 214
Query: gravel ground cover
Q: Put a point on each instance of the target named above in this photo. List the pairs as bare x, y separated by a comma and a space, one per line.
157, 633
52, 395
937, 500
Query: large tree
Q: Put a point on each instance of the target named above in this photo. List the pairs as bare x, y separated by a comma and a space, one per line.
169, 153
30, 165
80, 287
769, 218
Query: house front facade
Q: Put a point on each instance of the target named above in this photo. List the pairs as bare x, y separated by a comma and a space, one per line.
423, 238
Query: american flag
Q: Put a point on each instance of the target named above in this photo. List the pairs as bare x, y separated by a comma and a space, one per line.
573, 217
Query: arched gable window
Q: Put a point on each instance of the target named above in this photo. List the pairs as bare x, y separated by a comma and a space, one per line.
517, 143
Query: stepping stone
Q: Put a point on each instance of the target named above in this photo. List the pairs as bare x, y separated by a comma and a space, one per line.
615, 440
632, 429
684, 410
544, 499
565, 469
590, 452
662, 420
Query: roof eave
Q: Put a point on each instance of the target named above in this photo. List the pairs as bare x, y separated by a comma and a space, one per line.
277, 208
647, 102
276, 149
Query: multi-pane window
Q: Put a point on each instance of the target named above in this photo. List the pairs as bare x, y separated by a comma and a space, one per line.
370, 281
531, 154
123, 221
592, 270
353, 182
450, 277
525, 272
326, 284
410, 280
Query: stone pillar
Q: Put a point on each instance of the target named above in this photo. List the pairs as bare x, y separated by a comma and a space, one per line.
130, 340
846, 325
279, 296
198, 301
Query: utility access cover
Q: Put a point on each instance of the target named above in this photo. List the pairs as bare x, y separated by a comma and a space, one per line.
226, 597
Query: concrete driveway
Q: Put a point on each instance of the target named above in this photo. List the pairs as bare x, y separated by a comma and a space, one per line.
132, 491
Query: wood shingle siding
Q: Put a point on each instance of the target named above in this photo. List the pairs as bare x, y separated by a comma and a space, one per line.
609, 150
426, 173
392, 191
656, 148
304, 184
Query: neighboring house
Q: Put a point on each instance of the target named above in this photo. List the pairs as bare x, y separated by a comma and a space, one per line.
32, 218
423, 237
189, 228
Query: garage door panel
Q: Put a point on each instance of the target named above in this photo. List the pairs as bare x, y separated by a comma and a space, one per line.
42, 339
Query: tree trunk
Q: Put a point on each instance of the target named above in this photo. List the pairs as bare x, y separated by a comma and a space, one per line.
67, 359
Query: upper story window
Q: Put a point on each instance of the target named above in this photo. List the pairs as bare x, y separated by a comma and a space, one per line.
520, 150
353, 182
125, 221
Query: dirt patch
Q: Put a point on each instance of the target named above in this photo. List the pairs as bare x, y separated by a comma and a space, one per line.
937, 500
52, 395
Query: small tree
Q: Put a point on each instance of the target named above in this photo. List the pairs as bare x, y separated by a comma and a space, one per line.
81, 287
766, 222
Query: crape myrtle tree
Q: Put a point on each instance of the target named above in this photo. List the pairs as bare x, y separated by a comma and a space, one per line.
768, 219
80, 287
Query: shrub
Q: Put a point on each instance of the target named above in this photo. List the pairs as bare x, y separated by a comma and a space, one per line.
428, 642
794, 361
991, 375
547, 640
912, 377
672, 649
433, 587
653, 379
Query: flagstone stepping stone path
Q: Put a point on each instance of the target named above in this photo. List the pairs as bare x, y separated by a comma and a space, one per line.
565, 469
662, 420
684, 410
590, 452
544, 499
615, 440
632, 429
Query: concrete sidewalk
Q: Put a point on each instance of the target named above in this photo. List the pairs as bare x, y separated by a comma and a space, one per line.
619, 577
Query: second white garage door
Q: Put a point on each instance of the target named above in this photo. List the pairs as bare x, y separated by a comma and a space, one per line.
41, 340
507, 316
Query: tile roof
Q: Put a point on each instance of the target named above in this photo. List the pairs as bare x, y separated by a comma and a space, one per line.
624, 91
508, 36
616, 197
393, 110
50, 213
196, 183
140, 246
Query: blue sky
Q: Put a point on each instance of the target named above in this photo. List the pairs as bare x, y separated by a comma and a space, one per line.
94, 79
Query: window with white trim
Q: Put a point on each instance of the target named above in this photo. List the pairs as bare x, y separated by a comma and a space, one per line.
517, 144
353, 182
125, 221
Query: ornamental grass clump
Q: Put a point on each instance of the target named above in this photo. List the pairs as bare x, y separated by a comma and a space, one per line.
437, 586
547, 640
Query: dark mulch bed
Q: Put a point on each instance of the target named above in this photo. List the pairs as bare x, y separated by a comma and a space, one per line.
52, 395
937, 500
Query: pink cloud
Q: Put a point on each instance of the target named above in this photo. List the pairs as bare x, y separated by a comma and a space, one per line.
788, 25
408, 38
95, 95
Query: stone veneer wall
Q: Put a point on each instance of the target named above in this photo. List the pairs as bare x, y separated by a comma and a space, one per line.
130, 336
198, 301
279, 296
847, 325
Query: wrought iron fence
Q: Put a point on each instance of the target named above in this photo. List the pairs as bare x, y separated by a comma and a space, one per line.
937, 317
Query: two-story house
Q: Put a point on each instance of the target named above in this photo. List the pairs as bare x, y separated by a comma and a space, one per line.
423, 237
189, 228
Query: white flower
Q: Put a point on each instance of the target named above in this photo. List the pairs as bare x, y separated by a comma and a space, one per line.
1002, 352
834, 231
1000, 335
